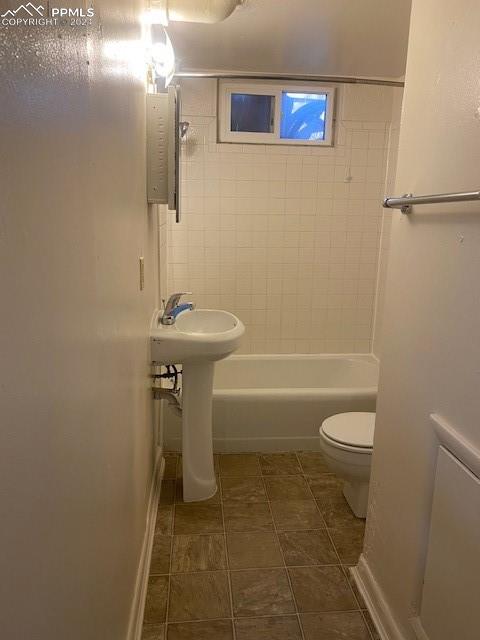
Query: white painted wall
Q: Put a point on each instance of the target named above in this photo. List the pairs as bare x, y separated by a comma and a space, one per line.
76, 437
431, 348
276, 234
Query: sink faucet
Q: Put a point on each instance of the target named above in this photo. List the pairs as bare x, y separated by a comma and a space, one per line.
172, 308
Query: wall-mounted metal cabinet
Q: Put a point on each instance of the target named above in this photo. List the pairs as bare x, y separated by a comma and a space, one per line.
163, 149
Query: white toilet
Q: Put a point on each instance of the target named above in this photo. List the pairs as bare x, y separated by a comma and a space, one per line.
346, 440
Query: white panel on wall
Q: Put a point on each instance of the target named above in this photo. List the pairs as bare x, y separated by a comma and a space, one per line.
157, 147
450, 602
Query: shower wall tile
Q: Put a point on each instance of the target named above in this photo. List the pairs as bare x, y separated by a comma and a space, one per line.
394, 134
286, 237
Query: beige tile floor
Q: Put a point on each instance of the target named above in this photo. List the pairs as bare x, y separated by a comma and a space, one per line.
267, 558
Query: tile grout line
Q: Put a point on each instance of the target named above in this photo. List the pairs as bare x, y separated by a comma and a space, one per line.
276, 531
327, 529
227, 561
279, 566
264, 616
370, 631
167, 609
290, 586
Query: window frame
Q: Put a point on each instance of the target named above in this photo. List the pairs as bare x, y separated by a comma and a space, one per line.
225, 134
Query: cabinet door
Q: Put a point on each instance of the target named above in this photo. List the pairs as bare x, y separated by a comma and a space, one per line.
451, 595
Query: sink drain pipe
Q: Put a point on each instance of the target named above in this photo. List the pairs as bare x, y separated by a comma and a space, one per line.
173, 395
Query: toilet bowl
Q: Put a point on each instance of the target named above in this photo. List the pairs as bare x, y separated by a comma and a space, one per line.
346, 440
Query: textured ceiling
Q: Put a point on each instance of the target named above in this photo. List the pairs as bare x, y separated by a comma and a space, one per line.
324, 37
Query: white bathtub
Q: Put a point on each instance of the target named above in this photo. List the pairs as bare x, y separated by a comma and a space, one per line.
278, 402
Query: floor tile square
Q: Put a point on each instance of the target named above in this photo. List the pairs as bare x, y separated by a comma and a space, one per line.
261, 592
253, 550
167, 492
198, 596
160, 562
334, 626
348, 542
198, 518
153, 632
277, 628
337, 514
156, 601
287, 488
320, 589
206, 630
204, 552
296, 514
313, 462
243, 490
251, 516
164, 521
307, 548
236, 465
279, 464
326, 488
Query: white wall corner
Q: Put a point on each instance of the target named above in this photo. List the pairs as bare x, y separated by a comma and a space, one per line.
377, 604
141, 584
199, 96
367, 103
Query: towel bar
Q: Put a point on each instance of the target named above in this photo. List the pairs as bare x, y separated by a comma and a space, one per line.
406, 202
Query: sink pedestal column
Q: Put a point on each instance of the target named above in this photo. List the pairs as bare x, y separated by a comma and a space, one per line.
199, 481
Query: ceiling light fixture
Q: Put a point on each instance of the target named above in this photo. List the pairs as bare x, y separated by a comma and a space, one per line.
209, 11
162, 54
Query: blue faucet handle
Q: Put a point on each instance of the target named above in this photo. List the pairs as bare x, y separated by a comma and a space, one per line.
186, 306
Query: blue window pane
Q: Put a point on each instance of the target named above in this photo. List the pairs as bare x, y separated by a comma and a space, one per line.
303, 116
252, 113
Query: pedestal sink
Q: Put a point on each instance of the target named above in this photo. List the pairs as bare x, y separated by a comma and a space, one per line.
196, 340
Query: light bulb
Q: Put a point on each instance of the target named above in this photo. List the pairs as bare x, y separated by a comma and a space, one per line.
163, 55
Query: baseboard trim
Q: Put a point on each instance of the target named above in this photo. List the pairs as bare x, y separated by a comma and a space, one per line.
244, 445
141, 584
376, 602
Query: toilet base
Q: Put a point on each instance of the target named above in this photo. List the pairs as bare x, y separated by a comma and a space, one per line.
357, 497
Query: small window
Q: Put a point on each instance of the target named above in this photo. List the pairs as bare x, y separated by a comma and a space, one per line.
275, 114
252, 113
303, 116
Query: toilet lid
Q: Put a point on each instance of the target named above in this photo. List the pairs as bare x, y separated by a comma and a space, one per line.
355, 429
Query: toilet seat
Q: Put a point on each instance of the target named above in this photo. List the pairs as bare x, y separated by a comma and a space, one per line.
350, 431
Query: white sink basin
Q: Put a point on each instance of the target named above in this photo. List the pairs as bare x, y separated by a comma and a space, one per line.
199, 335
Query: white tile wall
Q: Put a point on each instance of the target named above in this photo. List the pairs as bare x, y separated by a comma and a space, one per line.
394, 134
285, 237
162, 249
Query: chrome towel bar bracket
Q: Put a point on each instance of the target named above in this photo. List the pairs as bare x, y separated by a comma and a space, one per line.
406, 202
